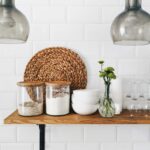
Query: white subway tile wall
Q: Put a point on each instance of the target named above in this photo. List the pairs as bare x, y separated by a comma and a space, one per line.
53, 146
17, 146
82, 146
31, 136
66, 134
84, 26
139, 146
117, 146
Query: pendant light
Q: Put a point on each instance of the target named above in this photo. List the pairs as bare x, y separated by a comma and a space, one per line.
132, 26
14, 27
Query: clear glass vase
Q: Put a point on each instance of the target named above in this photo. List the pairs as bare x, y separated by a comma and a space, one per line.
107, 107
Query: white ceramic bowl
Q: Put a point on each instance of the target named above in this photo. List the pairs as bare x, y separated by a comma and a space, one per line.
85, 109
86, 96
87, 92
86, 100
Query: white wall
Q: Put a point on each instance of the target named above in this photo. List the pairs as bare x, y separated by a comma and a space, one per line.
84, 26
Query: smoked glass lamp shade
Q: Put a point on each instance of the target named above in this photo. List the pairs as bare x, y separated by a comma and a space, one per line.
14, 27
132, 26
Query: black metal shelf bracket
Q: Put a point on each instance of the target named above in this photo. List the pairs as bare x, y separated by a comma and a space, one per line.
42, 137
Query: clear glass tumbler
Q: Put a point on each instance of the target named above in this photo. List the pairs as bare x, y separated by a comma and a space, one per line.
131, 107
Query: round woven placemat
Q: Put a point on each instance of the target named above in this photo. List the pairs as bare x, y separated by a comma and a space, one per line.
57, 64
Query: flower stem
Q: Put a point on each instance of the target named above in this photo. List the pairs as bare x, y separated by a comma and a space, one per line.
107, 90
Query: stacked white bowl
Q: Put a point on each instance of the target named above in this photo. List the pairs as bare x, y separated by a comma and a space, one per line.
85, 102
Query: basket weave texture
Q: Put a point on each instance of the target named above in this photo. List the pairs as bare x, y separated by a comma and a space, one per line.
57, 64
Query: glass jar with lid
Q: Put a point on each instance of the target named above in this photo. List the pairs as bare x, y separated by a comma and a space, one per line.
58, 98
30, 98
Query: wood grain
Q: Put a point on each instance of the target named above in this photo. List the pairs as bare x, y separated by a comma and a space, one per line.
73, 118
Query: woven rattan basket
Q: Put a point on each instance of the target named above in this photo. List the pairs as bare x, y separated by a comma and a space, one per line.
57, 64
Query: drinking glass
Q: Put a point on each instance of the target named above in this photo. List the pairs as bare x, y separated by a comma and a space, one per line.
148, 91
146, 108
138, 106
131, 107
128, 89
141, 89
134, 89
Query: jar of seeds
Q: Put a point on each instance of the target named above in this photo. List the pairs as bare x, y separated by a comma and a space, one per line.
30, 98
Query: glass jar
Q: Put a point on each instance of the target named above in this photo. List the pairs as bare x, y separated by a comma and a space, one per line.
58, 98
30, 98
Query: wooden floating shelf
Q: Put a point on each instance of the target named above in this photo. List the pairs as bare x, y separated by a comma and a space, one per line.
73, 118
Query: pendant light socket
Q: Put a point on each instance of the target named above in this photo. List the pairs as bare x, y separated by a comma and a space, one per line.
7, 3
133, 4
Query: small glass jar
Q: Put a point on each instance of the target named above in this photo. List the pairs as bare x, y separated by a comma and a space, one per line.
58, 98
30, 98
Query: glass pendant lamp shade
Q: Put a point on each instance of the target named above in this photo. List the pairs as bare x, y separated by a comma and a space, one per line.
132, 26
14, 27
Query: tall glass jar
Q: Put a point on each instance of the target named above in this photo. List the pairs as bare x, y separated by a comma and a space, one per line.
58, 98
30, 98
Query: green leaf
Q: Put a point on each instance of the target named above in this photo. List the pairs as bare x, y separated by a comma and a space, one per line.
101, 62
109, 69
112, 76
102, 74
